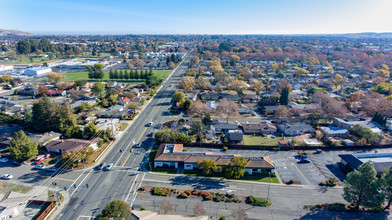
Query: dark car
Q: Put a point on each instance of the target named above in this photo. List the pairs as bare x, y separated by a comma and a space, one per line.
17, 162
138, 145
150, 134
100, 166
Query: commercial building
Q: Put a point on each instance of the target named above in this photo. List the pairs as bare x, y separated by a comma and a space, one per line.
172, 156
37, 71
381, 161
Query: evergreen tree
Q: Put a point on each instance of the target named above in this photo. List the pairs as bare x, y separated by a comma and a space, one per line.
126, 74
137, 75
110, 74
362, 187
121, 74
284, 96
115, 74
21, 148
131, 74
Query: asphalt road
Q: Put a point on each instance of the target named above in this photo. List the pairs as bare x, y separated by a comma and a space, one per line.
123, 179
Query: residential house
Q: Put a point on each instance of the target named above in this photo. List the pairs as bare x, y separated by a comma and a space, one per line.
104, 124
221, 127
191, 96
116, 111
235, 135
372, 125
230, 96
71, 145
269, 109
44, 138
209, 96
259, 128
32, 91
295, 129
211, 106
124, 100
333, 131
244, 110
78, 94
248, 98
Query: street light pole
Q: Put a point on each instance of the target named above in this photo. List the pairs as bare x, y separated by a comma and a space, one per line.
269, 185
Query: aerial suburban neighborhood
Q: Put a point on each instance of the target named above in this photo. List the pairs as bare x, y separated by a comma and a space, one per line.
210, 123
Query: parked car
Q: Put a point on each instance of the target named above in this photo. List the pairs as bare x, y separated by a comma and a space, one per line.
100, 166
39, 157
51, 169
318, 151
40, 161
40, 167
108, 167
138, 145
3, 160
187, 116
304, 160
17, 162
7, 176
150, 124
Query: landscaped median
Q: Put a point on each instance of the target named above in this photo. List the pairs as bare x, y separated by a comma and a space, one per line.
204, 195
341, 207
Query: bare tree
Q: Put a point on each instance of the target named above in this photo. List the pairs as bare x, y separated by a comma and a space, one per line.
239, 214
166, 206
198, 107
283, 112
199, 210
227, 109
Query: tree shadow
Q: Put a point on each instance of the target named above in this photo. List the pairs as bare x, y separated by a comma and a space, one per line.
327, 215
199, 183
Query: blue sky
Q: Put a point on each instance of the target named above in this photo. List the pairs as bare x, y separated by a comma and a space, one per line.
197, 16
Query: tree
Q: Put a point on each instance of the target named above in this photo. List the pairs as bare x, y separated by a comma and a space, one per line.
239, 214
166, 206
300, 71
185, 105
207, 118
283, 112
179, 96
187, 83
116, 210
21, 148
23, 47
42, 90
227, 109
98, 88
338, 80
235, 169
208, 167
197, 127
81, 83
54, 76
284, 96
386, 181
362, 187
199, 210
239, 86
90, 130
202, 83
198, 107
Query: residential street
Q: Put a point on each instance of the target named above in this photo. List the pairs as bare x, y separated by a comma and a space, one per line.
105, 186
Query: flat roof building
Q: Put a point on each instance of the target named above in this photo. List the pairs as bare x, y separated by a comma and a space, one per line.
381, 161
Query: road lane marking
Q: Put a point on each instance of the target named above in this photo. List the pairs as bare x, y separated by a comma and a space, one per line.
75, 180
81, 183
57, 178
134, 192
130, 189
134, 148
126, 149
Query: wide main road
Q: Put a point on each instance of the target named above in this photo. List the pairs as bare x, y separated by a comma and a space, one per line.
124, 178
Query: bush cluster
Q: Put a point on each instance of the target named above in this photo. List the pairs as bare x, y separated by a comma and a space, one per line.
220, 197
331, 182
184, 195
255, 201
160, 191
206, 195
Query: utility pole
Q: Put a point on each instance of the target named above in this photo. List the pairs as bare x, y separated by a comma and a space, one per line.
269, 185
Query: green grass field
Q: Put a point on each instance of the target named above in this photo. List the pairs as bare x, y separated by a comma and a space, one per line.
76, 76
259, 140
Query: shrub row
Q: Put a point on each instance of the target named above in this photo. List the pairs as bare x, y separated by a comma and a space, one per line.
255, 201
160, 191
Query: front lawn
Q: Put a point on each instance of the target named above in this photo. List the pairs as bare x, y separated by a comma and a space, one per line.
260, 140
256, 178
77, 76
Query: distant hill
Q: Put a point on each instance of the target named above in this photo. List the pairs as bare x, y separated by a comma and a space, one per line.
369, 35
4, 32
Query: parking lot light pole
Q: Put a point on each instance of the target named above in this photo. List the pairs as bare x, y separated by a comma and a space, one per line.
269, 185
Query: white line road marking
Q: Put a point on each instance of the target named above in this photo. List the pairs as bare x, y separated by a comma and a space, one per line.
81, 183
75, 181
125, 150
134, 192
130, 189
